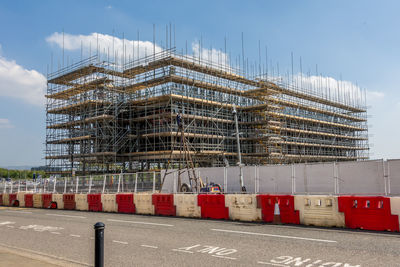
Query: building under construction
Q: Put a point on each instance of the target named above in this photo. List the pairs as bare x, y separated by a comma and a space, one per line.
103, 117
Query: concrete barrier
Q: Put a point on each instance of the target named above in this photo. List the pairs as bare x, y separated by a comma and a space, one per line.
186, 205
319, 210
81, 202
109, 202
143, 203
37, 201
58, 198
6, 199
243, 207
21, 198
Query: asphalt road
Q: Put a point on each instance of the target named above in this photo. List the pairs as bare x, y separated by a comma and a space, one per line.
134, 240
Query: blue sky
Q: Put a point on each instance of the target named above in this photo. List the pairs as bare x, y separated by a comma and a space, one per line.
357, 41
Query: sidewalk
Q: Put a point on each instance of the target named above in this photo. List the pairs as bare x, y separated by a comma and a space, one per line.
10, 256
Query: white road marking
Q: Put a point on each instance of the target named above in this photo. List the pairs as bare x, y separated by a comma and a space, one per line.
56, 233
186, 251
157, 224
224, 257
269, 263
271, 235
319, 229
18, 211
40, 228
147, 246
75, 235
299, 261
10, 226
6, 222
120, 242
69, 216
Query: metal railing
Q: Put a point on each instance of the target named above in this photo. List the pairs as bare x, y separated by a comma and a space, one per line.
107, 183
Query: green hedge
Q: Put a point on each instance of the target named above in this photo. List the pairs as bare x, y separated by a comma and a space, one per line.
16, 174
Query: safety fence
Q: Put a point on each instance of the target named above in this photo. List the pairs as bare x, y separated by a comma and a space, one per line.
372, 177
378, 213
107, 183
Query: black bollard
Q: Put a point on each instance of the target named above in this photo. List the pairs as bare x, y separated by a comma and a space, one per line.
99, 244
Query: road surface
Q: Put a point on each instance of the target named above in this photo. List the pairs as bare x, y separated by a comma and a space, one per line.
135, 240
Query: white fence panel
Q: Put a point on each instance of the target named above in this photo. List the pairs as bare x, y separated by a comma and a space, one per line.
275, 179
393, 174
320, 178
363, 177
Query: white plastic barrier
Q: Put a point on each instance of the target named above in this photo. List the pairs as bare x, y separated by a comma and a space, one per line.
109, 202
319, 210
243, 207
81, 202
6, 199
186, 205
21, 198
37, 201
58, 198
395, 206
143, 203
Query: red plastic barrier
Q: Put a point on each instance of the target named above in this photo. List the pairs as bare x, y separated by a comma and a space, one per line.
69, 201
370, 213
46, 201
213, 206
287, 213
28, 198
94, 201
12, 199
125, 203
1, 199
164, 204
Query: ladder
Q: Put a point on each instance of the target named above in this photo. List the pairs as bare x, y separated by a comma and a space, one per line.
185, 162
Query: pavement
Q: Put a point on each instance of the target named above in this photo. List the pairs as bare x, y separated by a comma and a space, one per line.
12, 256
65, 238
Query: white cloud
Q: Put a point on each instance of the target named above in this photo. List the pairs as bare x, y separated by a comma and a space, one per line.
5, 124
134, 49
109, 7
373, 96
342, 91
18, 82
105, 44
211, 55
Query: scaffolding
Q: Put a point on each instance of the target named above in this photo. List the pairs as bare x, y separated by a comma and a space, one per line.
104, 117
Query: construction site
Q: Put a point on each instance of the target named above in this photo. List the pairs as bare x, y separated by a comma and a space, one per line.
104, 117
